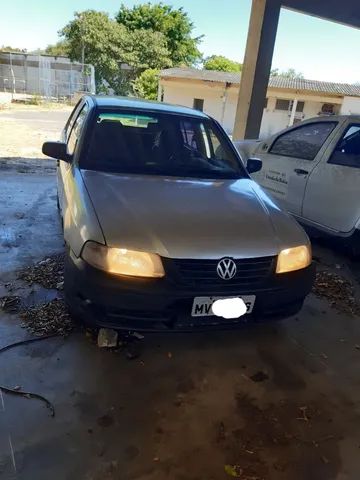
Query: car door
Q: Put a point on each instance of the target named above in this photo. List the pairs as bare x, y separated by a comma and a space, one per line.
289, 159
65, 168
332, 197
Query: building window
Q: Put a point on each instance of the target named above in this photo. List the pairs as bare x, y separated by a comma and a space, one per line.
286, 105
327, 109
300, 106
282, 104
198, 104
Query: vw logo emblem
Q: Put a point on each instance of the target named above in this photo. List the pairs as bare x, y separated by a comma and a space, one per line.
226, 268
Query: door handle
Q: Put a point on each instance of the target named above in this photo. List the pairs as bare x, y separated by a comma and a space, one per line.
300, 171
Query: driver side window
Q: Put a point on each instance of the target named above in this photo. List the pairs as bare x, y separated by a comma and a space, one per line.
303, 142
192, 137
76, 130
347, 151
72, 118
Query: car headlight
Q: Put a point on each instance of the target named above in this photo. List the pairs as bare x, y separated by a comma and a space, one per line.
294, 258
121, 261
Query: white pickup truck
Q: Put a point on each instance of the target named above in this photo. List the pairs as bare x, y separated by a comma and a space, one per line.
313, 171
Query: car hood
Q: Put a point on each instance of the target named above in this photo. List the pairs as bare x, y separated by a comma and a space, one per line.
189, 218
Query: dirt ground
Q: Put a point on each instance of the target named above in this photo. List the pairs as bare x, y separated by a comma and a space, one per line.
266, 402
23, 129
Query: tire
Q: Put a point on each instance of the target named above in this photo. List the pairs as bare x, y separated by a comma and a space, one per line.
69, 285
59, 211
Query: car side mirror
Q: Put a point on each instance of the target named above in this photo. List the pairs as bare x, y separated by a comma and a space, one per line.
57, 150
253, 165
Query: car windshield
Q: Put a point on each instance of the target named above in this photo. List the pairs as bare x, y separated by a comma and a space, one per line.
149, 143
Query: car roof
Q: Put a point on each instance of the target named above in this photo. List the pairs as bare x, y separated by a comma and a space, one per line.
140, 104
332, 118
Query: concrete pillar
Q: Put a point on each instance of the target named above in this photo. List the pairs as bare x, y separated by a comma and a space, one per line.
293, 111
256, 69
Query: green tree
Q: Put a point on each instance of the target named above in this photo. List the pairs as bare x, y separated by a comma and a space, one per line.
289, 73
146, 49
59, 48
221, 63
146, 84
118, 55
173, 23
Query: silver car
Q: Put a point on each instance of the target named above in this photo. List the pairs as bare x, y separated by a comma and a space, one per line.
164, 227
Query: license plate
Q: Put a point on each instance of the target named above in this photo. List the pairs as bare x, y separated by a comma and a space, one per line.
202, 305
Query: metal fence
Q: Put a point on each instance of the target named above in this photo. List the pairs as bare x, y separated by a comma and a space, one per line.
44, 75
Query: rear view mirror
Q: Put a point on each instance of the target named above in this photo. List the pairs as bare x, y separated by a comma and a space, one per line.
253, 165
57, 150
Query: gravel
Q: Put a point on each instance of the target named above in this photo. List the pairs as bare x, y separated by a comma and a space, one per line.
48, 318
338, 291
48, 273
10, 303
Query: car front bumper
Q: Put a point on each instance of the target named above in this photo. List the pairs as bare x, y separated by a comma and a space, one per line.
104, 300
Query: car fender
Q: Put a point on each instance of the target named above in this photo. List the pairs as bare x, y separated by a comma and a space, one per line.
81, 223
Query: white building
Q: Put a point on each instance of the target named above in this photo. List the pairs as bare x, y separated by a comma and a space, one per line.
288, 100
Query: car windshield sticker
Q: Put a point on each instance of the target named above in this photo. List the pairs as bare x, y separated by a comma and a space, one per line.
128, 120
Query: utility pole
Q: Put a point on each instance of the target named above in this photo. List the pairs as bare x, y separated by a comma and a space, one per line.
83, 66
82, 52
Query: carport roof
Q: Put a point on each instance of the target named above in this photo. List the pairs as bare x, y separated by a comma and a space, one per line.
346, 12
342, 89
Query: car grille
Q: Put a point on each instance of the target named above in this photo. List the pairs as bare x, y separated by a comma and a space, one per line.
251, 272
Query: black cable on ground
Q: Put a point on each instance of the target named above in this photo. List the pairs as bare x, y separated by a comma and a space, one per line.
13, 391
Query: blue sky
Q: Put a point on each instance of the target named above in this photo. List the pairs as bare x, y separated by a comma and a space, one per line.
319, 49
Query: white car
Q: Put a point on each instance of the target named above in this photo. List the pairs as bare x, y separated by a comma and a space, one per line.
313, 171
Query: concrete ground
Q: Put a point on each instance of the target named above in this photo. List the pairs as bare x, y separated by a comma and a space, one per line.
276, 401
